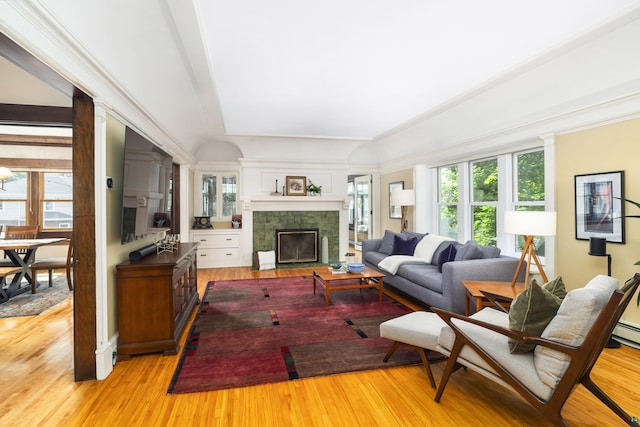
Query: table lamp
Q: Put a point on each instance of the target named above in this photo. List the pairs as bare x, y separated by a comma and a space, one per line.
529, 224
404, 199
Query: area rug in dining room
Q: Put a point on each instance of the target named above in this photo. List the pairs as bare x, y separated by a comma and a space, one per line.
259, 331
28, 304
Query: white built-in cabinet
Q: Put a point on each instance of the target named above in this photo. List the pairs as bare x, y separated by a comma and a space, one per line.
218, 248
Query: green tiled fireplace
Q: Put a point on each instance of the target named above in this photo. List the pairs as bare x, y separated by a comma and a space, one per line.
265, 224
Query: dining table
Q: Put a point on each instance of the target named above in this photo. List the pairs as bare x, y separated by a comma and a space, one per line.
22, 252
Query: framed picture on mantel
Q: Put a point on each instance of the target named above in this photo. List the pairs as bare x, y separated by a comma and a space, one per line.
296, 186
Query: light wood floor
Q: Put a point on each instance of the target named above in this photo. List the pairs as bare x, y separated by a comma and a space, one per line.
37, 388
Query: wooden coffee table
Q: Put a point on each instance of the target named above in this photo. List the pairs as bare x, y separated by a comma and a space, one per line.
474, 287
336, 281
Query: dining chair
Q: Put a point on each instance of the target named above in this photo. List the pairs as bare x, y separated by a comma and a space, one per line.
53, 263
16, 232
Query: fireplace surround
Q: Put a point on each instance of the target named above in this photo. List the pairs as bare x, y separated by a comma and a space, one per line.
265, 224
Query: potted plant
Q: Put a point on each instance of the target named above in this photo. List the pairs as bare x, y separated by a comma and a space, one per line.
314, 190
634, 216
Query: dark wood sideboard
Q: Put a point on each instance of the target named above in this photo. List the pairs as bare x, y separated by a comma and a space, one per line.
156, 296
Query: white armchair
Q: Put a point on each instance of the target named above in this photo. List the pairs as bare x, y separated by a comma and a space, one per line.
564, 355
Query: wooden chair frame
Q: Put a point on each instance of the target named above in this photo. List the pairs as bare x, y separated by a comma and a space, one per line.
51, 264
583, 357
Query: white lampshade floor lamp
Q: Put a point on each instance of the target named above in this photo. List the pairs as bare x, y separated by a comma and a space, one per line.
404, 199
529, 224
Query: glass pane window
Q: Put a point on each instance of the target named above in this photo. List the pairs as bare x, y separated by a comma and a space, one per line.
14, 200
209, 192
448, 198
530, 177
484, 224
229, 192
448, 184
57, 205
448, 224
485, 180
219, 193
484, 198
529, 191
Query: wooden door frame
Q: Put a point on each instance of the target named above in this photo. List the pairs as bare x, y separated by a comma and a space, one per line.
83, 122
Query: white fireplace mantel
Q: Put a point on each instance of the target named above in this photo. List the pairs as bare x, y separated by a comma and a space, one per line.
295, 203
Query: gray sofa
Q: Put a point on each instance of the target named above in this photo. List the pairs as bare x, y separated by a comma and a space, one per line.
424, 282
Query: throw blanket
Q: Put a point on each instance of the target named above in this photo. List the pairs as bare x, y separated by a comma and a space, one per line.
428, 245
393, 262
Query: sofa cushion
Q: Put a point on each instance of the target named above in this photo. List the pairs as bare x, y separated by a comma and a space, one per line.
447, 255
576, 316
392, 263
468, 251
520, 364
427, 246
532, 310
386, 246
403, 246
425, 275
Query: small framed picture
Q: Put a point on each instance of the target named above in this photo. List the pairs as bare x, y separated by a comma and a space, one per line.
600, 206
296, 186
395, 212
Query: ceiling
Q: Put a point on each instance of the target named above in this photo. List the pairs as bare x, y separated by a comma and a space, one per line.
262, 79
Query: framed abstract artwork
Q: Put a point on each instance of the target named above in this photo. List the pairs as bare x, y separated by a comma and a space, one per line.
599, 208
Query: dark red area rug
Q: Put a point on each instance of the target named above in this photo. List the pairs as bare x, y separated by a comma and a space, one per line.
260, 331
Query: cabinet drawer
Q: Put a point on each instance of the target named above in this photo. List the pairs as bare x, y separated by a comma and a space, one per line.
218, 257
217, 240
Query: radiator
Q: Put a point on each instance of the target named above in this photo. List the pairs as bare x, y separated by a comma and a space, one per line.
628, 333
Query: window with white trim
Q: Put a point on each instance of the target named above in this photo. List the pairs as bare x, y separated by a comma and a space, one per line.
471, 196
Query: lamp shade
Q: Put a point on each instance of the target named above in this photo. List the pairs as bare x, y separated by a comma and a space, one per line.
403, 198
597, 246
530, 223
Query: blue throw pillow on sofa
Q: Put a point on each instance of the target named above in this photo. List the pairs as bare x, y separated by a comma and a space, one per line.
404, 247
447, 255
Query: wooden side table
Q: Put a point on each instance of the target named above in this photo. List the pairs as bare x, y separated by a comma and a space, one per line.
474, 287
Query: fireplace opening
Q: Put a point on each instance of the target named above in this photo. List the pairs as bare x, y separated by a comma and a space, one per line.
296, 246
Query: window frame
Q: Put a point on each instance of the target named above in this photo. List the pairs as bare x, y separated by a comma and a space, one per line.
219, 210
507, 197
34, 198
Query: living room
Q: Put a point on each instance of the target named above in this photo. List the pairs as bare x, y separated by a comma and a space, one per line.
590, 126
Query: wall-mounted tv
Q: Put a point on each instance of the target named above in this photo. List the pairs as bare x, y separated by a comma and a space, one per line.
147, 186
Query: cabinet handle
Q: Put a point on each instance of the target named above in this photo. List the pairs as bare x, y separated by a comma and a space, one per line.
203, 254
229, 254
229, 239
203, 240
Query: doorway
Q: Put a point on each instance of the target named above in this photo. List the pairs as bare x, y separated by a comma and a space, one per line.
360, 206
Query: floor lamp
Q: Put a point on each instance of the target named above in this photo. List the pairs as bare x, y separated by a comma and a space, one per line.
529, 224
404, 199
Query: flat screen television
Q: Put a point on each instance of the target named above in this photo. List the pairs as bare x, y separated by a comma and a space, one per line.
146, 188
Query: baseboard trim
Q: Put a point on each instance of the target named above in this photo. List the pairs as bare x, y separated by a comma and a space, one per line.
105, 358
628, 333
